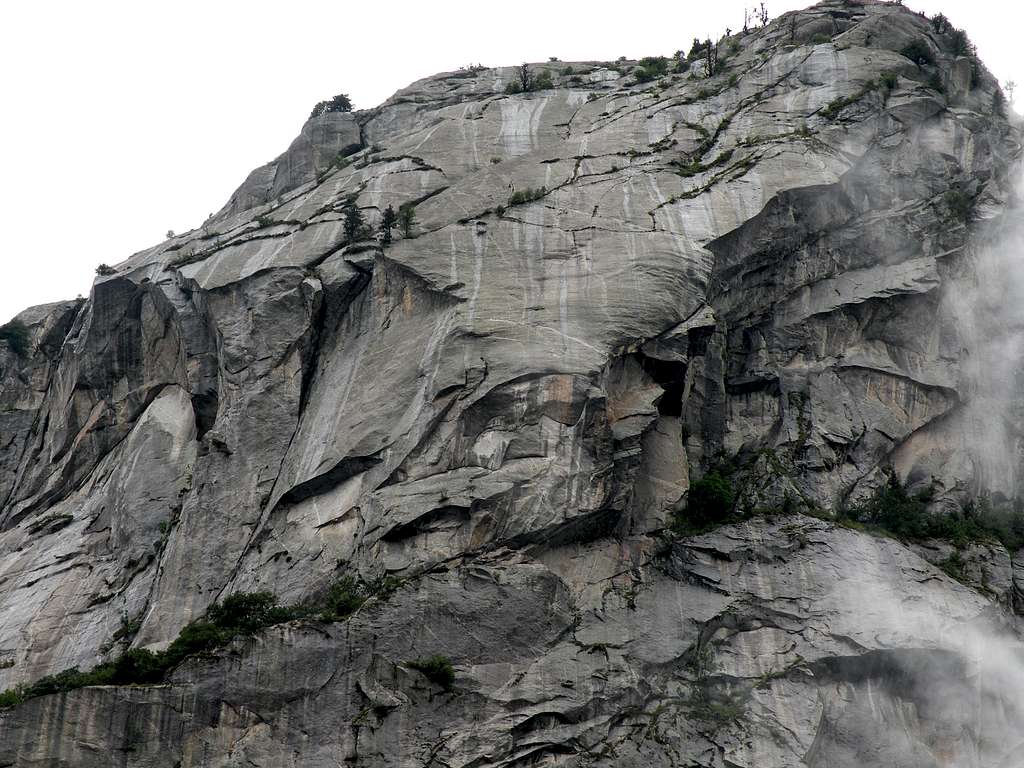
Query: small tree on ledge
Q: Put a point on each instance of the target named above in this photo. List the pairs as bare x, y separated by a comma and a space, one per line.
354, 223
387, 222
525, 78
406, 218
340, 103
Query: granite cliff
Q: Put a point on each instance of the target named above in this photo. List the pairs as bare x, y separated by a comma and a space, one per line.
795, 267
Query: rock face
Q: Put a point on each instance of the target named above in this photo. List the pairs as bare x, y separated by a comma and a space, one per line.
609, 286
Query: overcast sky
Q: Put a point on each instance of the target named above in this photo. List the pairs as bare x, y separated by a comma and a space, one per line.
122, 120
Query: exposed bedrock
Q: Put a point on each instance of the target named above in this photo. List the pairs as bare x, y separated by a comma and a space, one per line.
610, 287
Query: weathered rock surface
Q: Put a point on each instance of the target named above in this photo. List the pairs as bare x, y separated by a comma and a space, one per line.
503, 408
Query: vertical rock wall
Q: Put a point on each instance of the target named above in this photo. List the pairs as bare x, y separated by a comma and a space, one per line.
610, 287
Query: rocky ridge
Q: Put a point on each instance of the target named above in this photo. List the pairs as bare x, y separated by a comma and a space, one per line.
610, 286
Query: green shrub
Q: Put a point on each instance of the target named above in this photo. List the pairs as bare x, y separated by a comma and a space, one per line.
340, 103
16, 335
656, 65
709, 502
437, 669
527, 195
199, 636
693, 165
137, 667
889, 80
69, 680
688, 168
542, 81
12, 697
567, 71
723, 157
1005, 522
821, 38
919, 52
642, 75
834, 107
383, 588
893, 511
343, 599
247, 612
105, 270
960, 204
650, 68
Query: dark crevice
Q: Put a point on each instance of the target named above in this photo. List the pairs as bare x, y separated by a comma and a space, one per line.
670, 375
747, 385
311, 361
426, 521
579, 530
332, 478
205, 406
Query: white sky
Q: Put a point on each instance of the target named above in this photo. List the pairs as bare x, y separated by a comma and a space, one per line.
123, 119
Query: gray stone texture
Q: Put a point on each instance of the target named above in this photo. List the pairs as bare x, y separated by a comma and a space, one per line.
504, 408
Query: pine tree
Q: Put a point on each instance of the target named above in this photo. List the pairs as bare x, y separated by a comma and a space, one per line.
525, 78
387, 221
406, 218
354, 223
340, 103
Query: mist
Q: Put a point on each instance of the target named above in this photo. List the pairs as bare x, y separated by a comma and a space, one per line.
947, 686
990, 312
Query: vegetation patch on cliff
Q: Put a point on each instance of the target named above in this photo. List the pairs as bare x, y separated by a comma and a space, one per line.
710, 502
437, 669
240, 614
894, 511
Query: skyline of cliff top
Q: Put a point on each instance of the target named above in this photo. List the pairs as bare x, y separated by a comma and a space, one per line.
161, 112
